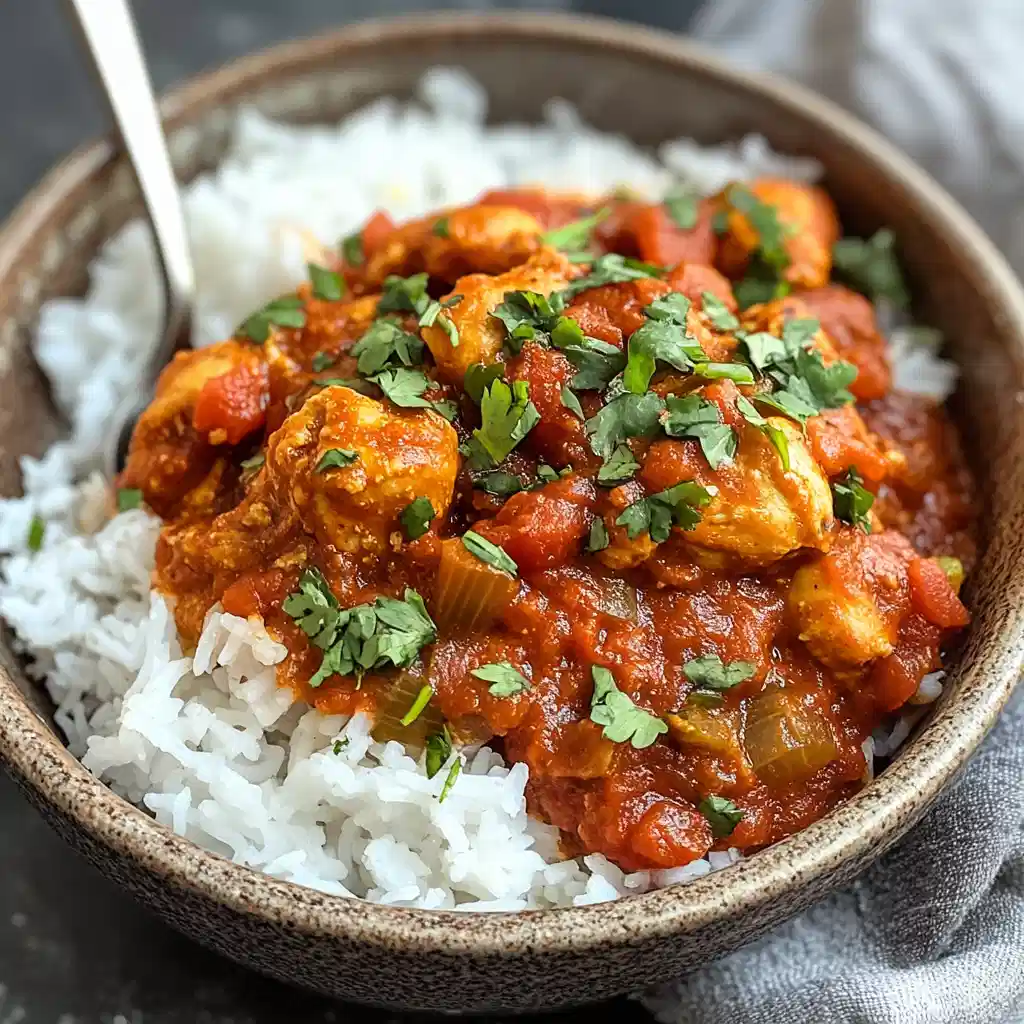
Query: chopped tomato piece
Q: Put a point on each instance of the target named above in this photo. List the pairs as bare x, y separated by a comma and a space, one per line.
660, 240
933, 596
376, 232
233, 404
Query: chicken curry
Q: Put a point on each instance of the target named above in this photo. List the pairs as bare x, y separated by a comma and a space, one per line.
620, 488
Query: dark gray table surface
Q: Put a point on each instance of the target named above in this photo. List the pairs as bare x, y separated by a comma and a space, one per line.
73, 948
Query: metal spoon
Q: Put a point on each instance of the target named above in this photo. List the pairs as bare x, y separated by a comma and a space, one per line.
109, 33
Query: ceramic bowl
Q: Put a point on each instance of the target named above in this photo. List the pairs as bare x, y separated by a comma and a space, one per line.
650, 86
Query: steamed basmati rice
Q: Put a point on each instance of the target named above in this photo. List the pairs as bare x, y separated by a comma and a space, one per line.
207, 742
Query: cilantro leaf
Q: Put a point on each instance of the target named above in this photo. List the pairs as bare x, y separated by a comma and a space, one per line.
722, 815
718, 313
576, 235
870, 266
764, 220
760, 284
571, 402
438, 750
321, 361
500, 484
674, 308
526, 313
623, 721
479, 376
453, 774
352, 249
384, 344
598, 539
505, 679
663, 336
628, 415
776, 435
419, 705
738, 372
547, 475
711, 673
695, 418
440, 228
404, 387
489, 553
656, 514
285, 311
404, 294
416, 517
335, 458
764, 350
507, 416
680, 204
597, 362
611, 269
852, 501
435, 314
128, 498
36, 532
327, 284
618, 467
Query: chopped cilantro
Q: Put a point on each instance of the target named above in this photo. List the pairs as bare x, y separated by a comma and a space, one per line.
764, 220
128, 498
340, 745
547, 475
440, 228
680, 204
611, 269
663, 336
386, 344
623, 721
722, 815
453, 774
596, 362
760, 284
491, 554
572, 403
367, 636
352, 249
438, 750
598, 539
36, 532
737, 372
435, 314
775, 434
628, 415
416, 517
335, 458
327, 284
404, 387
718, 313
695, 418
526, 314
285, 311
505, 679
500, 484
576, 235
404, 294
479, 376
871, 267
507, 416
321, 361
656, 514
619, 467
252, 464
418, 705
852, 501
711, 673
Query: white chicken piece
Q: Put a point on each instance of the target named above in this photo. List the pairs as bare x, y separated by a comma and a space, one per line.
480, 335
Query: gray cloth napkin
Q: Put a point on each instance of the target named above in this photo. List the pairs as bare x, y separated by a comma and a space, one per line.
933, 932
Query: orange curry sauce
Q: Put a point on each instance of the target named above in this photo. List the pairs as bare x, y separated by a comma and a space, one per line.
757, 637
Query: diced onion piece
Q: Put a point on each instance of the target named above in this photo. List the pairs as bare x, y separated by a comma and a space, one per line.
468, 594
785, 740
394, 698
617, 598
698, 727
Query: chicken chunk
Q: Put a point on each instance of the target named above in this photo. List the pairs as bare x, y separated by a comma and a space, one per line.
847, 605
810, 226
480, 334
349, 465
482, 238
759, 512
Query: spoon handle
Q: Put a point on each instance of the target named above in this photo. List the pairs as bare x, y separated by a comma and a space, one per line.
113, 44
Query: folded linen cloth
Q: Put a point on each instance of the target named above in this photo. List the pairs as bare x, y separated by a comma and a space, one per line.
933, 933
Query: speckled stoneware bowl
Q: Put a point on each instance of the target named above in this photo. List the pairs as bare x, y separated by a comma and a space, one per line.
651, 87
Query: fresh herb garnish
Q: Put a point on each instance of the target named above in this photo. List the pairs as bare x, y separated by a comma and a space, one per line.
718, 313
128, 498
598, 539
453, 774
404, 294
418, 705
548, 475
695, 418
335, 458
285, 311
760, 284
722, 815
386, 344
321, 361
507, 415
662, 337
571, 402
611, 269
656, 514
505, 679
500, 484
36, 532
736, 372
852, 501
628, 415
416, 517
352, 249
597, 362
623, 721
680, 204
763, 218
438, 750
576, 235
871, 267
440, 228
775, 434
478, 376
491, 554
711, 673
327, 284
367, 636
526, 314
251, 465
435, 314
619, 467
406, 387
340, 745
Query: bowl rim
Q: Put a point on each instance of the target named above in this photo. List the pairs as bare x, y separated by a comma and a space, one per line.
866, 821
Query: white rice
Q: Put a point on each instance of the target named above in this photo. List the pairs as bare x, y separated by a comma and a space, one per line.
208, 743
